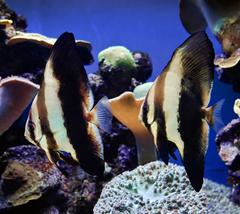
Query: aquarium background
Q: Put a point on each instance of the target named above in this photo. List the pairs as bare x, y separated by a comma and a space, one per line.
147, 25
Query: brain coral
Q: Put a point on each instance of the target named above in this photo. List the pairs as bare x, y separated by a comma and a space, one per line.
157, 188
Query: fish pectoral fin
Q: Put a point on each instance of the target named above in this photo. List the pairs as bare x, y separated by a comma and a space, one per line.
191, 16
101, 115
213, 115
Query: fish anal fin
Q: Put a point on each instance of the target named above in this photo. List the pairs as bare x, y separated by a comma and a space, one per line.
194, 166
101, 115
194, 156
213, 115
163, 152
171, 149
162, 147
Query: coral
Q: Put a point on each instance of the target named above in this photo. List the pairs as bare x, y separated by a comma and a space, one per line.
228, 145
218, 196
15, 95
227, 31
152, 188
99, 88
27, 175
19, 21
117, 64
236, 107
28, 58
227, 71
118, 70
157, 188
30, 182
126, 158
116, 57
143, 65
118, 137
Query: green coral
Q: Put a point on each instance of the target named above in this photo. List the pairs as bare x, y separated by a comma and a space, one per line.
117, 56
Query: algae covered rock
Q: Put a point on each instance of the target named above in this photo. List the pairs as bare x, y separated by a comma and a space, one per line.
27, 175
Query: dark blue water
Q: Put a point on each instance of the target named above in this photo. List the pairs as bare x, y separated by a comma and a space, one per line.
148, 25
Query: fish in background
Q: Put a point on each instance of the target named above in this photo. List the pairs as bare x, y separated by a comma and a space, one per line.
176, 110
63, 120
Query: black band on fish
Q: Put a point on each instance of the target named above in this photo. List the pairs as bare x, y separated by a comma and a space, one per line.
73, 88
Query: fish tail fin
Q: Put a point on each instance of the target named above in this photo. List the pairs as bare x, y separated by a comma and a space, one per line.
102, 116
214, 118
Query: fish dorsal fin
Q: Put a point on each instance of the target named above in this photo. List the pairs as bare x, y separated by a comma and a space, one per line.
101, 115
197, 56
16, 94
191, 16
67, 66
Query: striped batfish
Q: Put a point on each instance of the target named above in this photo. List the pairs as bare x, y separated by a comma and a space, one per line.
176, 109
63, 120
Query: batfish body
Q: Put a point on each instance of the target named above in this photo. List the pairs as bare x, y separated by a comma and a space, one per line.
176, 109
62, 118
